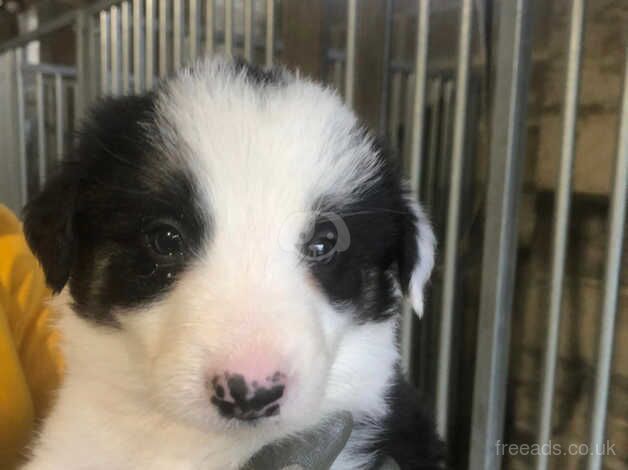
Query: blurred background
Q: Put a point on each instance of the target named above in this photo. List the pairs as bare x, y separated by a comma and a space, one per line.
507, 118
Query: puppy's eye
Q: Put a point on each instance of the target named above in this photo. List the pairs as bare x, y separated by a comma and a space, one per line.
166, 241
322, 247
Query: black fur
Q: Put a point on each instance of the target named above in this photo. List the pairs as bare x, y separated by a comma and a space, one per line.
89, 224
383, 246
408, 434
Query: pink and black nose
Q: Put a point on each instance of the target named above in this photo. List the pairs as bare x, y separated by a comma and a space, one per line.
237, 397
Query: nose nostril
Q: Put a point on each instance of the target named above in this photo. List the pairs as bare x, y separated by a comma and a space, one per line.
236, 399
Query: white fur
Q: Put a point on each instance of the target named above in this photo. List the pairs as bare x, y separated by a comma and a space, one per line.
425, 248
135, 397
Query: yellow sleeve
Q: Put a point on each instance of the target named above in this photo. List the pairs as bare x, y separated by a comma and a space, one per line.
30, 363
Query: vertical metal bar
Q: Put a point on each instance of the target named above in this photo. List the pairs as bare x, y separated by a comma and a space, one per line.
104, 53
163, 38
352, 13
59, 107
270, 32
228, 27
19, 57
416, 146
138, 46
561, 224
248, 30
177, 22
114, 34
150, 43
41, 127
453, 218
507, 152
93, 55
616, 233
209, 27
395, 110
383, 104
83, 73
337, 68
436, 88
193, 22
126, 50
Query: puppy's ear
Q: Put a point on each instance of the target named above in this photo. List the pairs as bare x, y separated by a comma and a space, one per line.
416, 257
49, 227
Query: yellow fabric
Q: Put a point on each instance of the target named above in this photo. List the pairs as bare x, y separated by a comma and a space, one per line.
30, 363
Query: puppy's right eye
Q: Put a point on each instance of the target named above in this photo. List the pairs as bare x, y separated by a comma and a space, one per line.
166, 242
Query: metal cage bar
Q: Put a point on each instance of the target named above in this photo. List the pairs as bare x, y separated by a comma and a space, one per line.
500, 231
228, 27
177, 32
41, 127
453, 218
125, 16
59, 112
114, 38
209, 27
150, 43
193, 20
616, 233
19, 82
138, 46
248, 30
104, 53
352, 13
416, 146
270, 32
561, 224
163, 38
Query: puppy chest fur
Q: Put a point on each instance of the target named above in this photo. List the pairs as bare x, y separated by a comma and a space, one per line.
229, 252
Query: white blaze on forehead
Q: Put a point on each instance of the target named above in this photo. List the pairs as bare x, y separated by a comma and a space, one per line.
263, 152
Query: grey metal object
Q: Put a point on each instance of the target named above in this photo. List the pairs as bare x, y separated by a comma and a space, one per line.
388, 25
228, 27
270, 32
352, 13
83, 42
194, 23
248, 30
561, 225
19, 84
177, 33
104, 53
163, 38
149, 31
12, 165
138, 47
453, 210
209, 27
59, 116
114, 42
125, 17
500, 231
416, 147
41, 128
616, 234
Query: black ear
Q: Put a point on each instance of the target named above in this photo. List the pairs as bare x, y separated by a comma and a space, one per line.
416, 253
48, 226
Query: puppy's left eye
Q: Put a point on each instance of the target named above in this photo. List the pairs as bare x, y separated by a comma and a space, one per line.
322, 247
166, 241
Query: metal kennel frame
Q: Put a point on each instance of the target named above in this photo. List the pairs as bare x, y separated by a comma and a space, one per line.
127, 46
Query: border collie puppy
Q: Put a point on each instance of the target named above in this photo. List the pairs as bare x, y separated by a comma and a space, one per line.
229, 252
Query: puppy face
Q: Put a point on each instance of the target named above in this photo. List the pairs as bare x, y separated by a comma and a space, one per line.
241, 244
